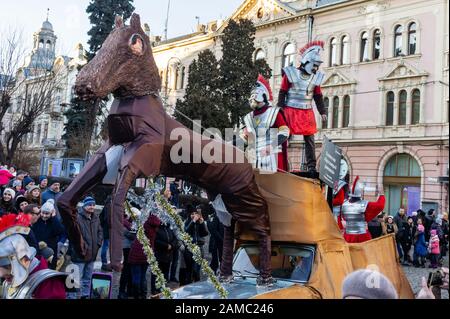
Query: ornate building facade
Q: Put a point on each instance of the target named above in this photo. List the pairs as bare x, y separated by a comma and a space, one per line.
386, 84
45, 139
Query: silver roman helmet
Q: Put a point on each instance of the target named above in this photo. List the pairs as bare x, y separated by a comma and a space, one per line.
310, 56
261, 92
357, 189
14, 249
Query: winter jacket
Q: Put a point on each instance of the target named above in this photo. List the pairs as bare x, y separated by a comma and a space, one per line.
389, 228
137, 255
7, 207
434, 245
128, 235
165, 237
196, 230
92, 233
216, 230
48, 231
49, 194
375, 228
420, 246
5, 177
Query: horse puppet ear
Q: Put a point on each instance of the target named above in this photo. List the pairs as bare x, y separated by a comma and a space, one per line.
135, 21
119, 21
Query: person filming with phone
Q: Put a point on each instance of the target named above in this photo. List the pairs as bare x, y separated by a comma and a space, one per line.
433, 286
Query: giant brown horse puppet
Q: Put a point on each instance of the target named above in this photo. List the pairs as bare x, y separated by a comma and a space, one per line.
139, 141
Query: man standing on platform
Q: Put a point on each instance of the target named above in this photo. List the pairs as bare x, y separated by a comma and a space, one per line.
299, 87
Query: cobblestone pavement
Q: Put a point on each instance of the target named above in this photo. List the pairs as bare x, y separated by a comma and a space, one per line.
415, 275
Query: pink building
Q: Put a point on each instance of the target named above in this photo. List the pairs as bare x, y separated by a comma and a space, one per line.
386, 84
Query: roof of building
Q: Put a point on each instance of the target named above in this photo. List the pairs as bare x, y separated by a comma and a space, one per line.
46, 25
321, 3
180, 38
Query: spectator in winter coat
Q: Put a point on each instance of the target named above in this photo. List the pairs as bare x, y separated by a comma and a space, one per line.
5, 177
33, 195
445, 230
129, 235
7, 202
375, 226
28, 182
35, 213
389, 226
427, 222
165, 243
215, 246
17, 187
407, 240
48, 228
400, 221
195, 226
138, 259
420, 247
52, 192
433, 248
43, 183
92, 234
21, 203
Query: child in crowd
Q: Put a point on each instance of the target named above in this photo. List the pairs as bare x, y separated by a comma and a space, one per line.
420, 247
433, 248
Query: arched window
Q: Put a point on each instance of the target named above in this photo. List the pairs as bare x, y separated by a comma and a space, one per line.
415, 112
49, 44
345, 46
41, 44
260, 54
398, 39
376, 44
334, 123
364, 54
326, 102
402, 107
390, 108
412, 29
346, 115
288, 55
402, 176
333, 51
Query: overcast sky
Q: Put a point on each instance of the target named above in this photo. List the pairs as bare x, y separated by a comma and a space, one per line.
71, 23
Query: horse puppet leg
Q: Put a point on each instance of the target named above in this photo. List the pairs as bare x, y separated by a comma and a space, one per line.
126, 178
249, 208
91, 175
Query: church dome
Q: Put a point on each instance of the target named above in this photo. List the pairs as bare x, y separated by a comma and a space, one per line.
46, 25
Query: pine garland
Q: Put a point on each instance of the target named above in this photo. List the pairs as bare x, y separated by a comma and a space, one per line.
160, 281
154, 203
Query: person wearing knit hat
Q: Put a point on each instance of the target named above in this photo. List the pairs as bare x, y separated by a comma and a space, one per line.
368, 284
9, 191
43, 182
28, 181
17, 185
21, 203
48, 228
7, 202
88, 201
33, 195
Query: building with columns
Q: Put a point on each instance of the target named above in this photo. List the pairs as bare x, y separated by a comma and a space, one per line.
45, 140
386, 84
